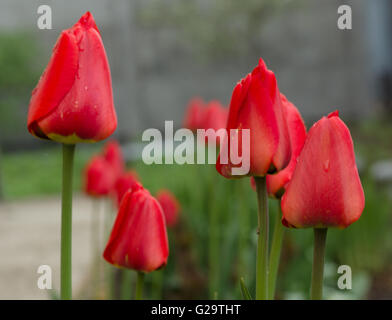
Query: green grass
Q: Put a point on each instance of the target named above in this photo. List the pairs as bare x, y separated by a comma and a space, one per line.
26, 174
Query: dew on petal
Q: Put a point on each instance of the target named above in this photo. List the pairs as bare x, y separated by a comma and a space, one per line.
326, 165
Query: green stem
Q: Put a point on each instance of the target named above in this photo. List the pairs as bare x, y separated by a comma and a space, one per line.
66, 223
262, 241
157, 285
320, 236
139, 285
243, 215
276, 248
126, 292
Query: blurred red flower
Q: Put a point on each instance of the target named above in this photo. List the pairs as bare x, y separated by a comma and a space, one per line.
170, 206
202, 115
127, 181
215, 116
194, 114
114, 156
98, 177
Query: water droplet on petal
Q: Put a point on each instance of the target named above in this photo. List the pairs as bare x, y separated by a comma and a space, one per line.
326, 165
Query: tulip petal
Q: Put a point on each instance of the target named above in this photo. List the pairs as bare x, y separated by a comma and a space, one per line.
325, 190
276, 182
56, 81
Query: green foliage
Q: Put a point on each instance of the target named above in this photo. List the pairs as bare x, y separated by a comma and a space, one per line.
17, 51
373, 138
364, 246
244, 290
27, 174
17, 79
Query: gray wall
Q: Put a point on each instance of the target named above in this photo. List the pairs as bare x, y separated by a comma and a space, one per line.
155, 72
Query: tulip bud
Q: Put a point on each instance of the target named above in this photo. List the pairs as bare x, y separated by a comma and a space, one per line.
256, 105
99, 177
170, 206
139, 239
325, 190
114, 156
194, 114
127, 181
73, 99
215, 116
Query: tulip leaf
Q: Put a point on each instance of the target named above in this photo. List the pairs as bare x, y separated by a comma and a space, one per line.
244, 290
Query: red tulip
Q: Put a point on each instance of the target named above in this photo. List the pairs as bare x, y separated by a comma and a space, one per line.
139, 239
276, 183
325, 190
215, 116
114, 156
256, 105
127, 181
194, 114
73, 99
99, 178
170, 206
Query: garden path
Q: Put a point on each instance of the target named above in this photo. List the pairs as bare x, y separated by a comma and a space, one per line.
30, 237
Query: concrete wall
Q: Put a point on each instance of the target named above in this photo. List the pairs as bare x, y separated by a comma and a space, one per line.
319, 67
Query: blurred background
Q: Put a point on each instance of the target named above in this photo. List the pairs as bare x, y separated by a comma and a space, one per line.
163, 53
